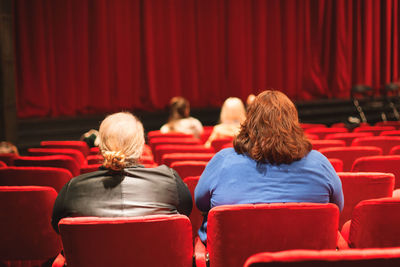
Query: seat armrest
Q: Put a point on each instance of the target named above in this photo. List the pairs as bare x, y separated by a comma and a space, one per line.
59, 261
341, 242
345, 232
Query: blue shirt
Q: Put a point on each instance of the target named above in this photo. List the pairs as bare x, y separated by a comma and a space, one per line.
232, 178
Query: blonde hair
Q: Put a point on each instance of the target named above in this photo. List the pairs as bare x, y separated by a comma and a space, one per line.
121, 140
232, 111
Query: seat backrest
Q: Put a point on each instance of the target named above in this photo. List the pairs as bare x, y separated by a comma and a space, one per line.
26, 232
395, 150
384, 142
196, 218
58, 161
189, 168
168, 149
156, 141
219, 143
383, 257
8, 158
375, 224
39, 176
170, 158
347, 137
74, 153
78, 145
90, 168
358, 186
235, 232
157, 133
305, 126
395, 124
159, 240
2, 165
337, 164
349, 154
389, 163
319, 144
324, 131
393, 133
375, 130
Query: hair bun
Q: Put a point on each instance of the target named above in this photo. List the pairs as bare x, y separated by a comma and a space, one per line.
114, 160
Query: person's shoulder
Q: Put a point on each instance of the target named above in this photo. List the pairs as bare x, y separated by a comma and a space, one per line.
316, 157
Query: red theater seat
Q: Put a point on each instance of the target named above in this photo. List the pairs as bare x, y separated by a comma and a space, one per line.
168, 149
169, 159
38, 176
382, 257
76, 154
392, 133
158, 240
376, 130
347, 137
389, 163
324, 131
90, 168
395, 150
8, 158
156, 141
58, 161
219, 143
337, 164
94, 159
196, 218
384, 142
27, 237
358, 186
2, 164
78, 145
349, 154
235, 232
189, 168
374, 224
157, 133
319, 144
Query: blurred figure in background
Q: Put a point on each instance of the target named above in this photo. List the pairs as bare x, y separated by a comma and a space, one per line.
91, 138
179, 118
233, 113
8, 148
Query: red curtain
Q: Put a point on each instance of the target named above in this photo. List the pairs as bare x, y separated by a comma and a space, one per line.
95, 56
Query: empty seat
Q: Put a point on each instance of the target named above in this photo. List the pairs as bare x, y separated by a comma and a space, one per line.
156, 141
347, 137
323, 131
219, 143
392, 133
168, 149
196, 217
157, 133
358, 186
94, 150
395, 124
384, 142
8, 158
78, 145
395, 150
375, 130
382, 257
337, 164
349, 154
235, 232
318, 144
388, 163
39, 176
89, 168
169, 159
189, 168
158, 240
27, 238
305, 126
58, 161
374, 224
74, 153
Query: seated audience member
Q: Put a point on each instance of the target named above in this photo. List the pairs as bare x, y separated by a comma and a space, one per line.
250, 100
8, 148
122, 187
180, 120
91, 138
272, 161
232, 115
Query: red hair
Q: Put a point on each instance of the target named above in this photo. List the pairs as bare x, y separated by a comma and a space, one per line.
271, 132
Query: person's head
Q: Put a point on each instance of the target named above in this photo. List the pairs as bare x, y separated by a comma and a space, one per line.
121, 140
250, 99
91, 138
8, 148
271, 132
179, 108
232, 111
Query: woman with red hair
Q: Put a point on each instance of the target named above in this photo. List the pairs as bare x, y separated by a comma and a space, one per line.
272, 161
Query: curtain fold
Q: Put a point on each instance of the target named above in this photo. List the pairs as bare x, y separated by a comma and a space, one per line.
97, 56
